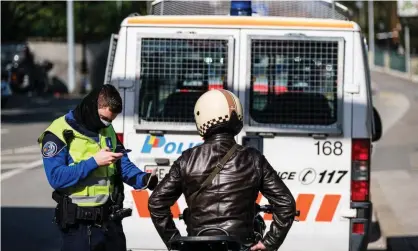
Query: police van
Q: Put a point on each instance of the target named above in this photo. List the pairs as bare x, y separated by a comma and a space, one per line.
305, 88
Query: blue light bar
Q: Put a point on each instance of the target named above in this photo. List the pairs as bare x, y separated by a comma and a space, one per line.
241, 8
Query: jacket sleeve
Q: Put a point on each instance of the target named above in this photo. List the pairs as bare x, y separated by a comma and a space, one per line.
57, 163
163, 197
131, 174
284, 206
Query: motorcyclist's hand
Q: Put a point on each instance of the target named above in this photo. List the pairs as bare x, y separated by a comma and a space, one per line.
106, 157
258, 246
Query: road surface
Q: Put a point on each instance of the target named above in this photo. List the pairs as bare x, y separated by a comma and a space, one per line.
394, 175
27, 206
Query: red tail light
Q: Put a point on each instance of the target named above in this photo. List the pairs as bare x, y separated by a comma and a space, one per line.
361, 149
358, 228
120, 137
360, 170
359, 190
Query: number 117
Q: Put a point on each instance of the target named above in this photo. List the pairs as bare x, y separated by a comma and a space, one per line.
331, 176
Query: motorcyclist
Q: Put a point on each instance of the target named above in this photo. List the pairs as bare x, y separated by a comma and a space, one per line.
228, 202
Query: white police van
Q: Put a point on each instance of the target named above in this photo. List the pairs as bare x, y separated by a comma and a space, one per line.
305, 87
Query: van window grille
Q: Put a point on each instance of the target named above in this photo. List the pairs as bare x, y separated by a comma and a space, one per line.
174, 73
294, 82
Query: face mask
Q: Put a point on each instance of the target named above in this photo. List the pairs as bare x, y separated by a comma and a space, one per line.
106, 123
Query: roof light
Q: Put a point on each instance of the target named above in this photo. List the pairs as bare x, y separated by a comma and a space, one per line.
241, 8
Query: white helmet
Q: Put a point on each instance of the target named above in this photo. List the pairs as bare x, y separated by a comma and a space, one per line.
216, 110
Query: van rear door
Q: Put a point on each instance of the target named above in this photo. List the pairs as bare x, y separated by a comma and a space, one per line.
173, 67
299, 116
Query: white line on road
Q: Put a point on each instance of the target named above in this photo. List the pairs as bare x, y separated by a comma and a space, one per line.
25, 149
17, 165
4, 131
392, 108
20, 157
7, 175
28, 156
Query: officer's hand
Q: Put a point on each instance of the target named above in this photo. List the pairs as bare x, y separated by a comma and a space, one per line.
258, 246
105, 157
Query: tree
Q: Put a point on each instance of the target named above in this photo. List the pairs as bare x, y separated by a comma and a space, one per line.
93, 20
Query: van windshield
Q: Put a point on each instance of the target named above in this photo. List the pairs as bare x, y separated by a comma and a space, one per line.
175, 72
294, 82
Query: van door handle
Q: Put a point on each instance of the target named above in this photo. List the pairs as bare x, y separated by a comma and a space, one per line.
162, 161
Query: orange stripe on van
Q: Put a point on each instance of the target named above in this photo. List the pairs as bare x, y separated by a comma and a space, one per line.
240, 21
141, 203
329, 205
304, 202
259, 197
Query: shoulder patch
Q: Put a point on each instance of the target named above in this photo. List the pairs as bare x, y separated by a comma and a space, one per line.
49, 149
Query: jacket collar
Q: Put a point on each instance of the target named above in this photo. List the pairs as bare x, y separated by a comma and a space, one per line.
220, 137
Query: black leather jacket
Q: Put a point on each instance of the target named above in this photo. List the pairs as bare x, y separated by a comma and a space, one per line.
229, 202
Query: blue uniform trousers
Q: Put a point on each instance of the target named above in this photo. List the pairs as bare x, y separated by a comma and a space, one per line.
83, 237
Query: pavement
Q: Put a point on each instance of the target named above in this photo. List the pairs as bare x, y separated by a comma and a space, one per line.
394, 176
27, 207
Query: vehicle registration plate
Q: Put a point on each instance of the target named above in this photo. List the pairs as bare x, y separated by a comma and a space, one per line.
161, 170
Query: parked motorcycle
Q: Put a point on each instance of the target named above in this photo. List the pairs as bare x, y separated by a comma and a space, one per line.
18, 73
25, 75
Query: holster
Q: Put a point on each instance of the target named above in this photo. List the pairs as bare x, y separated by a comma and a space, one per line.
68, 214
65, 211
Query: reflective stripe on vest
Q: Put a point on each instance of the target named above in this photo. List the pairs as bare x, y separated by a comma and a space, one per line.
96, 188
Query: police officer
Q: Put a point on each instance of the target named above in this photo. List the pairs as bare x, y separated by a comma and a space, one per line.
221, 181
85, 164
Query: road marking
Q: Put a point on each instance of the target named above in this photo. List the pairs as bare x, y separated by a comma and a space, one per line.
18, 160
20, 157
4, 131
7, 175
25, 149
392, 108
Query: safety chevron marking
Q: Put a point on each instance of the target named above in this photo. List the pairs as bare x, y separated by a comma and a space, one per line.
304, 202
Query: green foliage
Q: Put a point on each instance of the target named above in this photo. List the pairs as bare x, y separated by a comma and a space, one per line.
93, 20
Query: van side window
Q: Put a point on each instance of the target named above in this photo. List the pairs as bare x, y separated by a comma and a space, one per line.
175, 72
294, 82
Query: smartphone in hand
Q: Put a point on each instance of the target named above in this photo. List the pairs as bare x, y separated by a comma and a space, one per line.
124, 151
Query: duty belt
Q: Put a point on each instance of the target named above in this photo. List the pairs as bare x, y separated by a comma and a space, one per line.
95, 214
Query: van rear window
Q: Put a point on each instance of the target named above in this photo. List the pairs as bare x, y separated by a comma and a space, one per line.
175, 72
294, 82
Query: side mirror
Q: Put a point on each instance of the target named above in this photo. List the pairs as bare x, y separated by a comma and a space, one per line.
377, 124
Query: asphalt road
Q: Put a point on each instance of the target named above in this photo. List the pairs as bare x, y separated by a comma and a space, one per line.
27, 206
26, 201
394, 175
